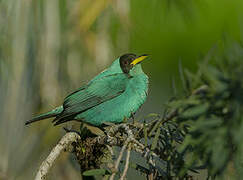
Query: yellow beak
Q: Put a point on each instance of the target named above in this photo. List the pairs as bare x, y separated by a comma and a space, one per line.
139, 59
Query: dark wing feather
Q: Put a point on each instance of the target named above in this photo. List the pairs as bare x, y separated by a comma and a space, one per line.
95, 93
80, 89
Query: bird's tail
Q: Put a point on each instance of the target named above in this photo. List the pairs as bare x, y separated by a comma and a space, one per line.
46, 115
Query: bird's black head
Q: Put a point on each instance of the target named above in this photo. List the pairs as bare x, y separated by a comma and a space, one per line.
127, 61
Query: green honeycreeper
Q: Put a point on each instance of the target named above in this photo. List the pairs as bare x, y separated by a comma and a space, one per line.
112, 96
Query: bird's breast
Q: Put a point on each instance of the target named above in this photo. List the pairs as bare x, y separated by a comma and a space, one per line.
135, 93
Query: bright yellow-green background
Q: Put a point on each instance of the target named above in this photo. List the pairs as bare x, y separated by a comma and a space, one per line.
48, 48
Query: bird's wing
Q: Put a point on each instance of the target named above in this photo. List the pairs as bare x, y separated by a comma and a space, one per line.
93, 94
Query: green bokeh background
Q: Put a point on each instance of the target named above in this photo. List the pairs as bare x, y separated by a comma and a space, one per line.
50, 48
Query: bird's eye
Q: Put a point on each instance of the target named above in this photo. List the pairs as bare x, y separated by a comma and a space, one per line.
126, 62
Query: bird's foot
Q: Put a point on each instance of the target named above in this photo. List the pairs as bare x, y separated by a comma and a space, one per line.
94, 130
133, 117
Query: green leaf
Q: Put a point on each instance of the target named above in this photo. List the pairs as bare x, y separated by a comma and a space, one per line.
155, 140
145, 132
95, 172
152, 115
138, 167
154, 127
195, 111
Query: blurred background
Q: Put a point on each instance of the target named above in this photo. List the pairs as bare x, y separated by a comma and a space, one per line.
50, 48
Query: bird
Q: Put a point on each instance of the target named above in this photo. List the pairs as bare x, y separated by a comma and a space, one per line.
110, 97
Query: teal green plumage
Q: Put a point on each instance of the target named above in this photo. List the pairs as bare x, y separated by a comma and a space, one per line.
123, 106
113, 95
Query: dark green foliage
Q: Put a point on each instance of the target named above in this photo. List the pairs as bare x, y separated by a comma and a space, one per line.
204, 127
164, 136
213, 111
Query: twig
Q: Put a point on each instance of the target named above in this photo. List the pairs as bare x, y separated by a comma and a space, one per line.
110, 149
119, 158
143, 149
66, 140
127, 163
151, 163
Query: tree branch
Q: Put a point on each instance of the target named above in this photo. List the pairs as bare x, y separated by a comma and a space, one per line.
127, 163
63, 144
